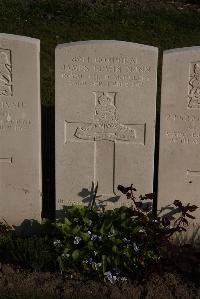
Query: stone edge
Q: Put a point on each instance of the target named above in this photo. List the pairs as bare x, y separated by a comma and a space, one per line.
107, 42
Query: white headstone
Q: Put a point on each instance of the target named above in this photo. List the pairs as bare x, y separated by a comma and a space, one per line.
20, 125
105, 119
179, 157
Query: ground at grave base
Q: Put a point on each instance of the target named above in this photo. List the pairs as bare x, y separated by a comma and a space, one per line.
54, 285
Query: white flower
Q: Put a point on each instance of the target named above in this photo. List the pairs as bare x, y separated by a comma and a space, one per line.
95, 252
100, 213
123, 279
65, 255
126, 241
111, 235
143, 231
135, 247
89, 233
57, 243
90, 260
110, 277
97, 266
155, 221
94, 237
77, 240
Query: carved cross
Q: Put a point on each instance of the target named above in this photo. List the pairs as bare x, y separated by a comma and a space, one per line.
105, 132
6, 160
193, 173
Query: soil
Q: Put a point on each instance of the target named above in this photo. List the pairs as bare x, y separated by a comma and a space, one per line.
180, 5
158, 286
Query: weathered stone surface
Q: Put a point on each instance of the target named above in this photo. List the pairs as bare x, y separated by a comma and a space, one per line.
105, 119
20, 141
179, 162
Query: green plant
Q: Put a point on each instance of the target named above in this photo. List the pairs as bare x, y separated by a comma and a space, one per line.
116, 242
34, 252
5, 237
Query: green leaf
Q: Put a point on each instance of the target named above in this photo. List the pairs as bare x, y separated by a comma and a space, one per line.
105, 226
67, 222
115, 240
84, 236
90, 245
75, 255
75, 229
114, 249
104, 263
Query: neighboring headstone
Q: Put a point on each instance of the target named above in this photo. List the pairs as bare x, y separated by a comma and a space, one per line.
179, 157
20, 127
105, 120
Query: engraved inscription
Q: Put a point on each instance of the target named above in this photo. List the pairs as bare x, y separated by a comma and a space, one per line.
106, 124
104, 72
185, 129
5, 73
13, 117
10, 124
105, 132
194, 86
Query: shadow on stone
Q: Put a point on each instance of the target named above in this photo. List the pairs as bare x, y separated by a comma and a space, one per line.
168, 211
190, 236
90, 198
28, 228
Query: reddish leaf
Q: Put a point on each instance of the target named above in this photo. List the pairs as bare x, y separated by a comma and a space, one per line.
192, 208
141, 260
190, 216
135, 213
165, 221
178, 203
147, 196
138, 204
128, 195
170, 231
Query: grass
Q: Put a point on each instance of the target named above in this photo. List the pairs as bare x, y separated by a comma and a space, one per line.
22, 296
28, 296
59, 21
12, 295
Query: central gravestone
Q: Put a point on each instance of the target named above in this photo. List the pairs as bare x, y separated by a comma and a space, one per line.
105, 119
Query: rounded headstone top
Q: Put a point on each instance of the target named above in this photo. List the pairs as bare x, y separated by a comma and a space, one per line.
106, 42
13, 37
